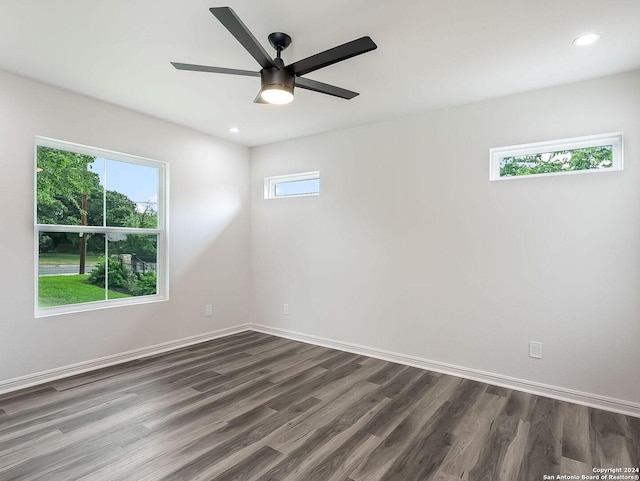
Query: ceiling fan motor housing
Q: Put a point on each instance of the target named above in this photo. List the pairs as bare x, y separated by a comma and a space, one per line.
280, 78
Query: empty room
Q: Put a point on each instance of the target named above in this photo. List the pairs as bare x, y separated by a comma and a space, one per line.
320, 241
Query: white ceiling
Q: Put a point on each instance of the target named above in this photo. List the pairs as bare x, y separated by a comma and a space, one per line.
431, 54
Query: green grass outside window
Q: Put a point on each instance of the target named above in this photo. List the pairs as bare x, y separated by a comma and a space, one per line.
70, 289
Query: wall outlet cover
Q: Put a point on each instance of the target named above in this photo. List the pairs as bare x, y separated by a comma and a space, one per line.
535, 349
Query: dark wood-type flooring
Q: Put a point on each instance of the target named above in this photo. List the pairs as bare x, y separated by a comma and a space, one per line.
255, 407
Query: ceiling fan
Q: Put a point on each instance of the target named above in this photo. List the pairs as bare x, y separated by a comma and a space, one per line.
278, 80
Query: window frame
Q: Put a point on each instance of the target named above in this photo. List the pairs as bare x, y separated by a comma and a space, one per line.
615, 139
162, 229
270, 184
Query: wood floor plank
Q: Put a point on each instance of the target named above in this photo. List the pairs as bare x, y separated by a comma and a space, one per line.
26, 446
615, 434
338, 383
255, 407
579, 435
508, 428
402, 393
339, 360
515, 452
471, 434
269, 346
290, 384
245, 444
144, 452
302, 359
440, 476
252, 467
498, 391
14, 430
221, 406
375, 466
428, 449
290, 439
221, 383
316, 384
388, 370
634, 440
571, 467
404, 399
398, 383
344, 464
206, 407
613, 451
611, 423
250, 363
335, 462
195, 457
544, 446
94, 376
39, 407
326, 439
84, 443
311, 359
19, 399
82, 465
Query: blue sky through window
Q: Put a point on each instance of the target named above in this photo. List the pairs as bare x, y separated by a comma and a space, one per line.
138, 182
297, 187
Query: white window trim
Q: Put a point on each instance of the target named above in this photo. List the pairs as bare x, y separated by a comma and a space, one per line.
615, 139
162, 233
271, 182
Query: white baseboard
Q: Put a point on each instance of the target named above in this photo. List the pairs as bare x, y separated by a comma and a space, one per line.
554, 392
29, 380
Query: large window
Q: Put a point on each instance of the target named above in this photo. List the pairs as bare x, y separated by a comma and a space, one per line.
100, 228
595, 153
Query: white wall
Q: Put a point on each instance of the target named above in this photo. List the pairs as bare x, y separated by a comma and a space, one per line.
411, 249
209, 231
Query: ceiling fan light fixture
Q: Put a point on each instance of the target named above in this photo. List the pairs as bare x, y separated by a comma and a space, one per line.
276, 94
277, 86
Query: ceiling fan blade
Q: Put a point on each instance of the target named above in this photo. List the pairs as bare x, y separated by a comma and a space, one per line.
230, 20
259, 99
305, 83
205, 68
333, 55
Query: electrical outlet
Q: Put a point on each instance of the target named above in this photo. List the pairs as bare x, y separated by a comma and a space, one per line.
208, 310
535, 349
285, 309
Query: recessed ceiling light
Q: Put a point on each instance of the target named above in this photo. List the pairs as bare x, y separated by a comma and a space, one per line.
586, 39
234, 130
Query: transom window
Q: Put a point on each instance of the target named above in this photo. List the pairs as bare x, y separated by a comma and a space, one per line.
100, 227
292, 185
595, 153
